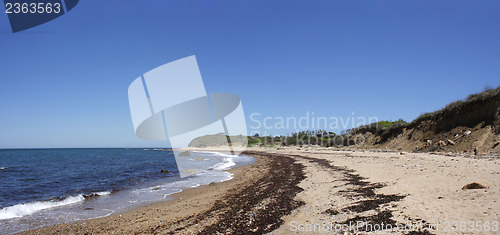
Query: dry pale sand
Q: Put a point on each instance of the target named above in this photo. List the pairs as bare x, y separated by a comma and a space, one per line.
323, 190
430, 186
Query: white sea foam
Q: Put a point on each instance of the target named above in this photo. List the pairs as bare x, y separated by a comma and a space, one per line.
217, 153
224, 165
104, 193
21, 210
3, 168
224, 154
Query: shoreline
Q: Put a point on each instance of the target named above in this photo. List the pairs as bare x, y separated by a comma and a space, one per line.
149, 186
335, 186
174, 199
203, 209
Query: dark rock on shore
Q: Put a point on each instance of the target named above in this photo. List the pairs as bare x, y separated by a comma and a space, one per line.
475, 185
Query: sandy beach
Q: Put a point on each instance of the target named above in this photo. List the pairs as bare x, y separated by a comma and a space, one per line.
397, 188
294, 190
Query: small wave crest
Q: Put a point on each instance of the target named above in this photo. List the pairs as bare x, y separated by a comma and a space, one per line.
224, 154
104, 193
224, 165
3, 168
217, 154
29, 208
94, 195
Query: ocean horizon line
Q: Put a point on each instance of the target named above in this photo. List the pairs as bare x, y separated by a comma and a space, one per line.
42, 148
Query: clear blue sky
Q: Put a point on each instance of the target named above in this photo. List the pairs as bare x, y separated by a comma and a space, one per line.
64, 83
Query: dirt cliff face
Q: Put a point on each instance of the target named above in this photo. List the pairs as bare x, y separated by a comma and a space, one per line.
471, 127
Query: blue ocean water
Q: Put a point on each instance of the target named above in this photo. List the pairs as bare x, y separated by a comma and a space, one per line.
46, 186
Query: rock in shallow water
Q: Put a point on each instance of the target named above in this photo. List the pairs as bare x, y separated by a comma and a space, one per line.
91, 195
